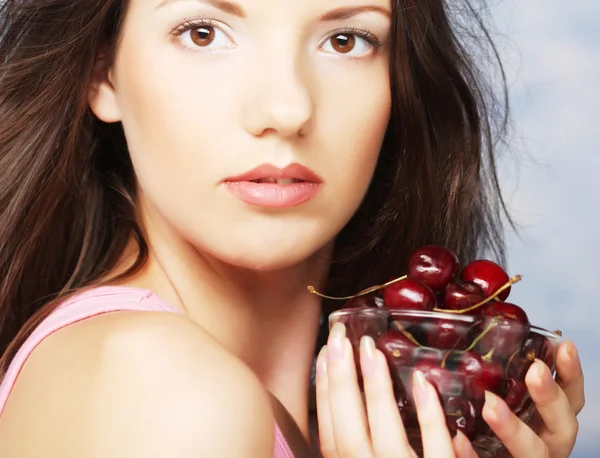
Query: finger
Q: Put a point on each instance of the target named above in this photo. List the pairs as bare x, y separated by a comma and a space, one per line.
348, 416
554, 408
570, 374
518, 438
437, 442
462, 446
388, 436
326, 438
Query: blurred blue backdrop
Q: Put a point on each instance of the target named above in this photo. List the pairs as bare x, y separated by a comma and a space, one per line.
552, 55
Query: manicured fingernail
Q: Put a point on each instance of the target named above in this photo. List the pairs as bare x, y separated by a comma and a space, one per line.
322, 362
420, 389
335, 345
494, 403
368, 360
543, 373
572, 351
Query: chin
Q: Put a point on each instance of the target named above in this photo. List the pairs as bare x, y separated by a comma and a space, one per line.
269, 262
271, 258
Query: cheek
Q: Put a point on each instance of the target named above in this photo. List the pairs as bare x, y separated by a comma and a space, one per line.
174, 126
356, 122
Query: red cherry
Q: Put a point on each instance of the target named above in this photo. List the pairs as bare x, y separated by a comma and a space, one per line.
447, 382
398, 349
450, 334
505, 310
516, 394
487, 274
460, 295
409, 294
433, 265
507, 325
481, 375
534, 346
362, 302
461, 415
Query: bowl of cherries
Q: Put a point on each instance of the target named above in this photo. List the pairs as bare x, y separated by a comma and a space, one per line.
455, 326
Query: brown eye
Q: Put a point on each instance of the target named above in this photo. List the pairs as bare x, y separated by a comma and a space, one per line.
203, 36
343, 43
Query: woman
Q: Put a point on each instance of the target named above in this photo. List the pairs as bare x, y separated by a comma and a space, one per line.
193, 165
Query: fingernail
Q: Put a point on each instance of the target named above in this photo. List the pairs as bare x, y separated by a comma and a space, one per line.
368, 360
494, 403
335, 345
572, 351
322, 362
543, 373
420, 389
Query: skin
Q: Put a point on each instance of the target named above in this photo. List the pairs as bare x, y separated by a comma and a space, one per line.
269, 89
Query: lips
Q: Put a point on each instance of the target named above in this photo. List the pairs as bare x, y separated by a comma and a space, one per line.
268, 186
269, 174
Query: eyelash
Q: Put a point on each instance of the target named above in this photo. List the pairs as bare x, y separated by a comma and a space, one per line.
364, 33
192, 24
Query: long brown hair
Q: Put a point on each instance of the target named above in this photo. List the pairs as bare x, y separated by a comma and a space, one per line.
67, 186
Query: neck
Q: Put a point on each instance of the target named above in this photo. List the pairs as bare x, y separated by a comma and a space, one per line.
267, 319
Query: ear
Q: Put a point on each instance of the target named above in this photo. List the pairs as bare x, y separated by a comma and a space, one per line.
101, 94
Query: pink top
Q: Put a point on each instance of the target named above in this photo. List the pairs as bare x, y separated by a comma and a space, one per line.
89, 304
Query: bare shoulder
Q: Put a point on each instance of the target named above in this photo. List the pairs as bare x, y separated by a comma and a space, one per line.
133, 384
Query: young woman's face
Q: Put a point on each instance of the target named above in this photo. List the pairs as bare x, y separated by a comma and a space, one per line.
254, 127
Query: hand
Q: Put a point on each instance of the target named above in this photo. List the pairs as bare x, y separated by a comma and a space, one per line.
557, 404
347, 430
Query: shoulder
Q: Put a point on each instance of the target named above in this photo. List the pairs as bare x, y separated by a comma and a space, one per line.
136, 384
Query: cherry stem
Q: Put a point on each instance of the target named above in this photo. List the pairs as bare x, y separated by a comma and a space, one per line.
512, 281
509, 362
492, 325
360, 293
488, 356
407, 334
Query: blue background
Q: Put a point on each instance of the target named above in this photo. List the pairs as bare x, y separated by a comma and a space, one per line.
552, 55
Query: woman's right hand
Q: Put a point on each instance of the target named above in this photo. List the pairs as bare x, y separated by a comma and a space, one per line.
346, 430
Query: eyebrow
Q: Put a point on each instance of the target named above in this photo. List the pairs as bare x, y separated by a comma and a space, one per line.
223, 5
346, 12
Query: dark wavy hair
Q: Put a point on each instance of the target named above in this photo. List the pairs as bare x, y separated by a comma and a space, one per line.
68, 190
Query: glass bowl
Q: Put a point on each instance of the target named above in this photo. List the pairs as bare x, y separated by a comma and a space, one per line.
461, 355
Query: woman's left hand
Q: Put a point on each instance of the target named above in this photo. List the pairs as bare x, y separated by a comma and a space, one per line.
557, 404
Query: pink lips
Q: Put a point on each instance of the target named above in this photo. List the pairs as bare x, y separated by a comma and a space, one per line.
272, 187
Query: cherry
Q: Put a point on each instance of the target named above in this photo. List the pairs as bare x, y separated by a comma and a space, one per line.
538, 346
516, 394
409, 294
517, 366
447, 382
461, 414
433, 265
487, 274
450, 334
505, 310
535, 346
506, 329
398, 349
481, 374
362, 302
460, 295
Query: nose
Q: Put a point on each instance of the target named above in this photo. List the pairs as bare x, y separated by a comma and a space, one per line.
279, 99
